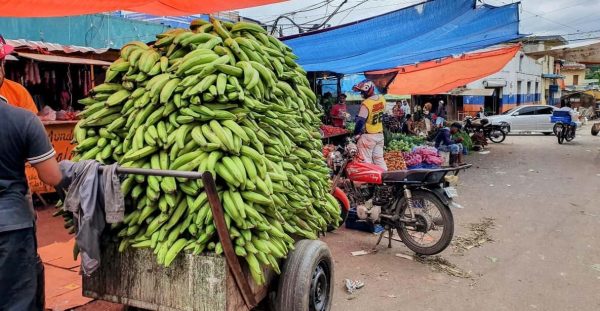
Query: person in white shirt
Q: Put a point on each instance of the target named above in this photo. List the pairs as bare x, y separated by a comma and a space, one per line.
405, 107
573, 113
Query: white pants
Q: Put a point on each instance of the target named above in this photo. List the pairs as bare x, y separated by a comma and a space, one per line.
370, 148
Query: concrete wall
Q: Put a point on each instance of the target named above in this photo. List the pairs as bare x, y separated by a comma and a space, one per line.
521, 75
570, 76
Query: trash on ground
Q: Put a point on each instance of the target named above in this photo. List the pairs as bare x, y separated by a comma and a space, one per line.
587, 214
391, 296
405, 256
441, 264
479, 235
492, 259
596, 267
360, 253
351, 286
491, 185
508, 185
456, 205
484, 152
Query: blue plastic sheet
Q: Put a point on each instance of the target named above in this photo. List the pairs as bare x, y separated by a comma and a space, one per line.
422, 32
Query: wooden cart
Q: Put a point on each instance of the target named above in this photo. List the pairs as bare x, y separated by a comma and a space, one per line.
210, 282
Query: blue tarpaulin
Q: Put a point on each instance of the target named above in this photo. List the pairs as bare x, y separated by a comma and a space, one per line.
97, 31
421, 32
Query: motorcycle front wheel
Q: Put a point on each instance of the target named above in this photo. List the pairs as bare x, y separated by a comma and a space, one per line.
497, 136
433, 228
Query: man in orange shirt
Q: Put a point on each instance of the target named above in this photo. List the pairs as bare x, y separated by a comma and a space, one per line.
15, 94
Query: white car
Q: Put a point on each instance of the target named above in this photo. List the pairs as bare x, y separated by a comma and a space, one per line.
529, 118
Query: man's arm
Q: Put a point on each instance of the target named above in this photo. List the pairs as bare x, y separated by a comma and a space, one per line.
48, 171
447, 140
361, 119
40, 152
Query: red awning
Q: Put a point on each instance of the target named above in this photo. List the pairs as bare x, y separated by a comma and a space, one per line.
441, 76
56, 8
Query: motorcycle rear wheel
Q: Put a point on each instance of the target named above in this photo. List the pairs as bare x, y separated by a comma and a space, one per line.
497, 136
560, 133
424, 202
570, 135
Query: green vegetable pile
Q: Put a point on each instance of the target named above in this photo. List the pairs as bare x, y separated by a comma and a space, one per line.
467, 141
350, 126
224, 98
401, 142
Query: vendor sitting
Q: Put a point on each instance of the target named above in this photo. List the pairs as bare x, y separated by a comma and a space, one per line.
444, 142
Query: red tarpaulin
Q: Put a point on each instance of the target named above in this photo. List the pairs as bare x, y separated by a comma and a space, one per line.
55, 8
441, 76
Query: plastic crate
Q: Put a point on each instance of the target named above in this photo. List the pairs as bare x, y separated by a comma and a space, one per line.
352, 222
556, 119
561, 116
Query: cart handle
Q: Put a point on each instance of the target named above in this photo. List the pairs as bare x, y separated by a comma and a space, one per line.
218, 218
153, 172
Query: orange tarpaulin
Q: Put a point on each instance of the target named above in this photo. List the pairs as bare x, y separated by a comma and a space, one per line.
54, 8
441, 76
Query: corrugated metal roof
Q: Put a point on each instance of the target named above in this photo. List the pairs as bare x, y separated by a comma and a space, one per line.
63, 59
36, 45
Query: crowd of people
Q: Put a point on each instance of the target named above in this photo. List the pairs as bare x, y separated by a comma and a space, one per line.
417, 120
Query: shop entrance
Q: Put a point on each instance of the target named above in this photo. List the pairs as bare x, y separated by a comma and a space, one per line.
491, 104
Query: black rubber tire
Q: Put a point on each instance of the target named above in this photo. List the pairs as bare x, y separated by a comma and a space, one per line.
296, 288
343, 214
560, 133
500, 139
595, 129
547, 133
555, 129
447, 219
570, 134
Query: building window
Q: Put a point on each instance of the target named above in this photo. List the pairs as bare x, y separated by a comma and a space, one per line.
521, 63
575, 79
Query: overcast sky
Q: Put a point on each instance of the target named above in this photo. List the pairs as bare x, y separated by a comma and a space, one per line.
540, 17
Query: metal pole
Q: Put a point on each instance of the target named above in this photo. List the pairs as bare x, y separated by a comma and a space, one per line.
148, 172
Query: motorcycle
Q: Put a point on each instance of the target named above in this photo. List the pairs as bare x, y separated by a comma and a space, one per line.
493, 132
564, 128
415, 203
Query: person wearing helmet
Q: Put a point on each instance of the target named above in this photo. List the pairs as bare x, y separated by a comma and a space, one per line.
369, 124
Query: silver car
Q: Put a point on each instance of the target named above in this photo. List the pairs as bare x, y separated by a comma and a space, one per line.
530, 118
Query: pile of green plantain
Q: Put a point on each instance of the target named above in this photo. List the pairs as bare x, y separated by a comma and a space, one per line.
224, 98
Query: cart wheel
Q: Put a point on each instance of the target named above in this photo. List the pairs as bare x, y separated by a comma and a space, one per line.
306, 282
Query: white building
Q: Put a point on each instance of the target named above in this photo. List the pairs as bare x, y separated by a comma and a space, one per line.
518, 83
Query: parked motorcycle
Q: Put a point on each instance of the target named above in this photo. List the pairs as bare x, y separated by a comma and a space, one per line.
495, 133
415, 203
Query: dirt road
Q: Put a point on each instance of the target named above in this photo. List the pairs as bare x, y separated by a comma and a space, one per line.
545, 202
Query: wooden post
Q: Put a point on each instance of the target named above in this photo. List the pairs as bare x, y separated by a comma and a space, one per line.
92, 80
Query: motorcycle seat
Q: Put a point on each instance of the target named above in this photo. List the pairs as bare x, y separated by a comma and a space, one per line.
413, 176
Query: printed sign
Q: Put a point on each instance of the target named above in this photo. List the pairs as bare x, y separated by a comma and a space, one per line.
60, 135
